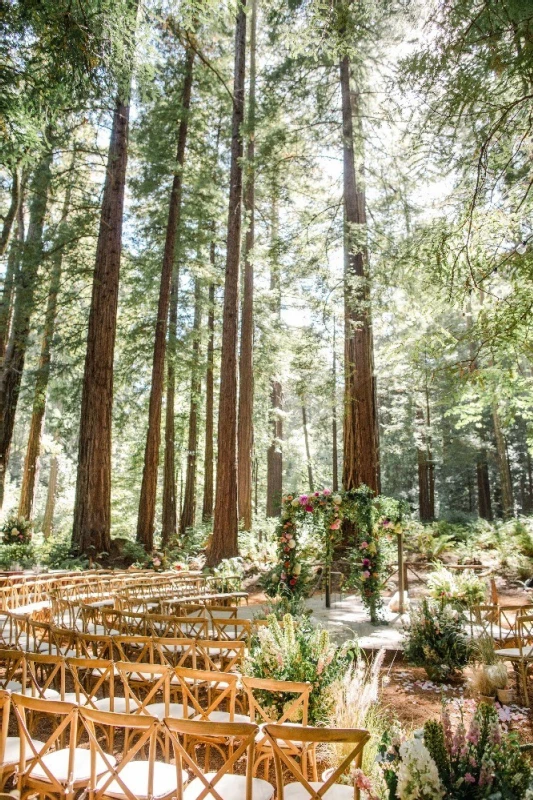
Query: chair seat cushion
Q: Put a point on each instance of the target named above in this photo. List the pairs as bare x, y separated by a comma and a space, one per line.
231, 787
295, 791
118, 704
158, 710
135, 776
224, 716
57, 763
514, 652
81, 700
12, 750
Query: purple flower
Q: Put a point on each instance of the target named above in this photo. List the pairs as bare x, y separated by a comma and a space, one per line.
303, 499
469, 778
366, 562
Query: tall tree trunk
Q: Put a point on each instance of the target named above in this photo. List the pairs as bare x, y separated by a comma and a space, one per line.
334, 449
48, 520
275, 453
27, 490
207, 506
246, 368
11, 212
505, 474
307, 450
188, 515
170, 515
12, 276
361, 441
483, 486
91, 532
147, 500
13, 367
224, 543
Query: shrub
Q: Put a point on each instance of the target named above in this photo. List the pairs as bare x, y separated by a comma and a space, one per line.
56, 553
16, 530
435, 640
22, 554
297, 651
463, 588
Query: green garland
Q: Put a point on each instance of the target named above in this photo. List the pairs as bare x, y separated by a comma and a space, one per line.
371, 518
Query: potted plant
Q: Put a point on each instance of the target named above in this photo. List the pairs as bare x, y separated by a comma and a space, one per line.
489, 675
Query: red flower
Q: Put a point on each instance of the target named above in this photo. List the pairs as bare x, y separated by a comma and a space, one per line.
292, 581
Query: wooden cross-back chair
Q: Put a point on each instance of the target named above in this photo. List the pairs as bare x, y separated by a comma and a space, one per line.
231, 629
93, 681
12, 670
51, 770
89, 645
208, 693
521, 656
64, 642
9, 745
296, 695
133, 778
137, 649
175, 652
226, 656
283, 737
32, 636
224, 784
45, 676
147, 690
168, 626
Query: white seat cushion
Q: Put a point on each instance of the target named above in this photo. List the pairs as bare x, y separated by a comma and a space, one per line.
119, 704
295, 791
224, 716
231, 787
158, 710
71, 697
514, 652
135, 777
57, 763
12, 751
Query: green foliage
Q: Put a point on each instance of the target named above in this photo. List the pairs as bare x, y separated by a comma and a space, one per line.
461, 588
295, 650
16, 530
56, 553
22, 554
434, 639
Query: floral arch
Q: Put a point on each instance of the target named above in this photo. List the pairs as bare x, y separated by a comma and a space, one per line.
371, 519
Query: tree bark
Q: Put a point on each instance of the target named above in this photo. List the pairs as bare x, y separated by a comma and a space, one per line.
505, 475
224, 543
31, 258
246, 369
11, 278
11, 212
361, 440
188, 515
308, 451
483, 487
275, 453
207, 506
27, 490
170, 515
334, 449
48, 520
91, 532
147, 500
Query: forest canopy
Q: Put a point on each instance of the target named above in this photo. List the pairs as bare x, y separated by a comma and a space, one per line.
257, 247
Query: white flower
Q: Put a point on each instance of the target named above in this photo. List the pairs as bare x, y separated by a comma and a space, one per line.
291, 544
296, 569
295, 503
418, 777
337, 499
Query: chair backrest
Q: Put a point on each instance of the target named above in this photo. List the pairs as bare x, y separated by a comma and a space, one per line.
222, 691
5, 707
62, 719
44, 672
524, 625
91, 676
175, 652
13, 673
90, 645
259, 692
231, 629
143, 684
241, 737
307, 738
226, 656
137, 649
168, 626
143, 732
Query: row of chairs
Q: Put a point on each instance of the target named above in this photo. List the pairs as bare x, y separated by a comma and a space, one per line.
79, 756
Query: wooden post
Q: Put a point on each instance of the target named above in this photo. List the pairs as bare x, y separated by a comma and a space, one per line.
401, 574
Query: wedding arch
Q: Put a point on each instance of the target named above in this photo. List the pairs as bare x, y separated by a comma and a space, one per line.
371, 519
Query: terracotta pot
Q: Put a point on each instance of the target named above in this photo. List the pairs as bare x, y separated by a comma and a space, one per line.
505, 696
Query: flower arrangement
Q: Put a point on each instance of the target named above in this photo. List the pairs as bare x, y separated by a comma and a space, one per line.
456, 763
368, 517
297, 651
435, 640
463, 589
16, 530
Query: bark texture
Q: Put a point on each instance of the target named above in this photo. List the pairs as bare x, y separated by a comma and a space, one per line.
147, 500
503, 462
334, 433
31, 258
169, 514
11, 212
92, 510
188, 514
11, 277
308, 451
275, 453
48, 521
361, 440
483, 487
245, 434
224, 542
207, 505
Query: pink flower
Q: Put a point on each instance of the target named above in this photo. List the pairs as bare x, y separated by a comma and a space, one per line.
364, 545
309, 508
366, 574
335, 525
469, 778
316, 494
326, 492
366, 562
303, 499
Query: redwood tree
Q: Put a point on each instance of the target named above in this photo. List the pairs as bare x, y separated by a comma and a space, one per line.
26, 284
361, 441
224, 543
147, 500
188, 514
12, 269
246, 365
169, 517
207, 505
275, 452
